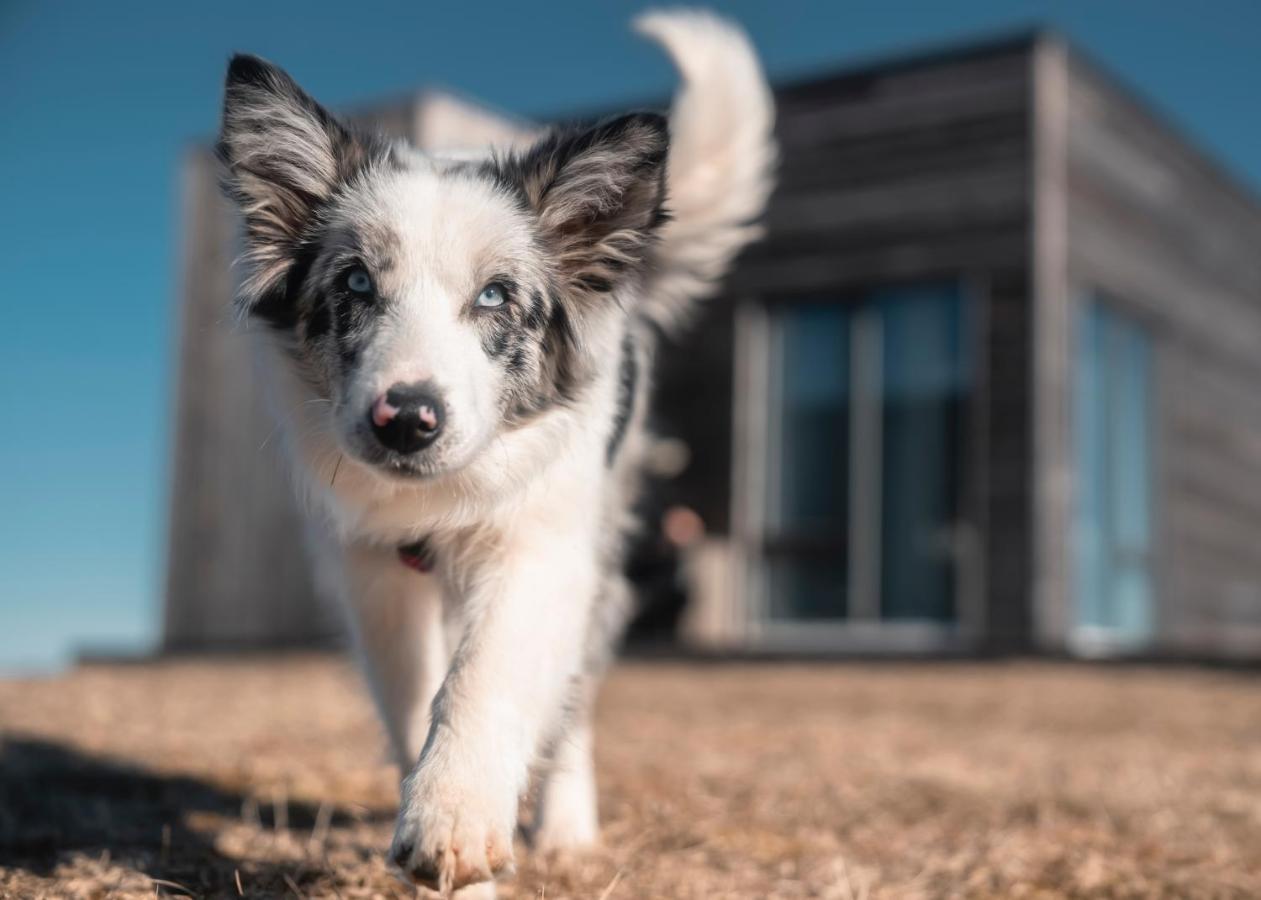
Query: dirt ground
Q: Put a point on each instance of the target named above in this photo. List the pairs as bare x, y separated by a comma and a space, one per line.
252, 778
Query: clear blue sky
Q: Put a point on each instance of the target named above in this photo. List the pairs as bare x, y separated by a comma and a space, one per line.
97, 100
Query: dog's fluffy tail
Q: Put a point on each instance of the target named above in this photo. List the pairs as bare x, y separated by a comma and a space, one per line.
722, 156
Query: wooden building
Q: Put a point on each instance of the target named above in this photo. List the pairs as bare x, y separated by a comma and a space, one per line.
989, 384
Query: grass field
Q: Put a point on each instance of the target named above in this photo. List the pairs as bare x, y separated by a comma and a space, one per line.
1013, 780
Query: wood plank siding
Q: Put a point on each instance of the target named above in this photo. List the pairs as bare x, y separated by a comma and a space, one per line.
1160, 232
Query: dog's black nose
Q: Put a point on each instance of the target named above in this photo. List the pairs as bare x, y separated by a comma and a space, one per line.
407, 417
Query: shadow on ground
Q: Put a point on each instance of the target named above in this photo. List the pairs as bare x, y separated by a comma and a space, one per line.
56, 803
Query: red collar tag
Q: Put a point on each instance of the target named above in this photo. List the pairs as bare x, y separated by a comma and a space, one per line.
417, 556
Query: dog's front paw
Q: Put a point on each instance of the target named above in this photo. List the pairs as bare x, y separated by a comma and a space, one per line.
454, 829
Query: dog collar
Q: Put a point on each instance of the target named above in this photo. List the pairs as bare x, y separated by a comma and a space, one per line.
418, 556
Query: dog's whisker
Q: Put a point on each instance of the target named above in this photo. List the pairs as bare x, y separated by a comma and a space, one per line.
284, 419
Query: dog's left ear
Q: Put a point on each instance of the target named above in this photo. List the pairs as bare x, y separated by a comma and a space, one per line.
598, 195
285, 156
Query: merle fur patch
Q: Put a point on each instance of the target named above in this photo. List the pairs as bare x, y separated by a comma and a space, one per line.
597, 194
285, 158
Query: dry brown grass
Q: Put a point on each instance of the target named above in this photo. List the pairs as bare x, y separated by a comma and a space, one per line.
1007, 780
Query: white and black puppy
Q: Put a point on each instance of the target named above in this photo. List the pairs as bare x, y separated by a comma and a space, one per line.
458, 351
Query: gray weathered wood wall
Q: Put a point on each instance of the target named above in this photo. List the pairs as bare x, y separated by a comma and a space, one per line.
236, 574
1162, 233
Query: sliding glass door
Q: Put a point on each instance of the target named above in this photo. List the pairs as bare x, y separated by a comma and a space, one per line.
1113, 527
867, 431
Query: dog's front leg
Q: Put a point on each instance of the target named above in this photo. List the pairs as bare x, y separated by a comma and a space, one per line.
396, 619
509, 682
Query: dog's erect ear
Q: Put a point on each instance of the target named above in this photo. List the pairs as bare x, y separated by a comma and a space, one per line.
598, 195
285, 156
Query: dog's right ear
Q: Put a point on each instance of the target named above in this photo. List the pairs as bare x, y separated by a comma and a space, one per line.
598, 194
285, 155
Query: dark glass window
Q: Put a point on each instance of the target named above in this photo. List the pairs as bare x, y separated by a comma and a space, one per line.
923, 404
810, 469
814, 423
867, 432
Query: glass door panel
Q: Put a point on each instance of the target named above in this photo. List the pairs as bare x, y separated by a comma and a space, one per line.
1113, 527
809, 484
923, 409
867, 432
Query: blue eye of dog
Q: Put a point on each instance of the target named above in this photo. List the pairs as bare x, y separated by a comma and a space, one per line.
492, 295
358, 281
